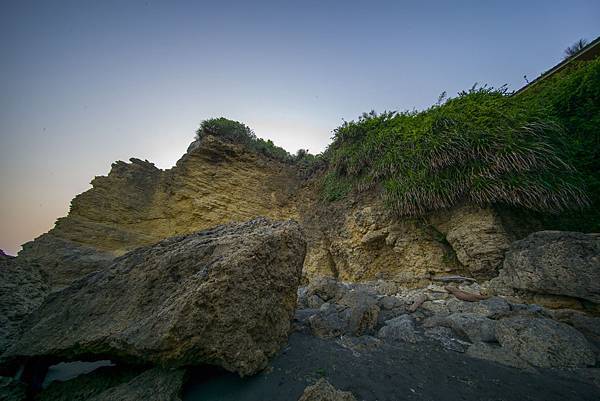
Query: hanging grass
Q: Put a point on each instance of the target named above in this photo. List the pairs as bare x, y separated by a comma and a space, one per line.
482, 147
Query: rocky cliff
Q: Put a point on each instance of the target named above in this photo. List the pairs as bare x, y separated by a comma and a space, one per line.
137, 204
217, 181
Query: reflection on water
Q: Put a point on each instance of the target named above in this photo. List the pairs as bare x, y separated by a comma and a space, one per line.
69, 370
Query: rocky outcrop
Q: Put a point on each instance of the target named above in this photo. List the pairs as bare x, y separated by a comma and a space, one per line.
223, 296
354, 239
477, 236
22, 290
544, 342
137, 204
358, 239
322, 390
553, 262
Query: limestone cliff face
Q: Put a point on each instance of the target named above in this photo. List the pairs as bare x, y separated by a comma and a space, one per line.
217, 182
137, 204
359, 240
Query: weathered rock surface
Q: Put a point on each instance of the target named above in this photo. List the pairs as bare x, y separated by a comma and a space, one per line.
478, 237
223, 296
544, 342
493, 352
12, 390
153, 385
322, 390
215, 182
137, 204
399, 329
554, 262
63, 261
22, 290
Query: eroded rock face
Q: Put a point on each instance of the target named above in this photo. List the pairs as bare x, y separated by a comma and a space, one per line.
223, 296
355, 239
324, 391
22, 290
478, 237
137, 204
554, 262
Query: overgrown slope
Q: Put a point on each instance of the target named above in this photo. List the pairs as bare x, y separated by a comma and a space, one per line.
538, 151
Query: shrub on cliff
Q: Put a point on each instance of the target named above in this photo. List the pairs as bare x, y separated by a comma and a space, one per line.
234, 131
483, 147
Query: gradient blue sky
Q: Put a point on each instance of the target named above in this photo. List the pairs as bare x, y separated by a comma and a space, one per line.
85, 83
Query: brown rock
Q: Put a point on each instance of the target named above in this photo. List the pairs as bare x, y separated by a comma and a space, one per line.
465, 296
224, 296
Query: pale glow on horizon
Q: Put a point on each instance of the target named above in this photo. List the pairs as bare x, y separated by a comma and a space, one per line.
89, 83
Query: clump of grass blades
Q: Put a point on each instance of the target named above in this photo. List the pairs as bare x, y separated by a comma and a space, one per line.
483, 147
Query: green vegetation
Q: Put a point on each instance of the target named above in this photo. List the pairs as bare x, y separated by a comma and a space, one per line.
571, 99
537, 151
484, 147
234, 131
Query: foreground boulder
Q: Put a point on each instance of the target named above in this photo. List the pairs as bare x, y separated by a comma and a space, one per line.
554, 262
224, 296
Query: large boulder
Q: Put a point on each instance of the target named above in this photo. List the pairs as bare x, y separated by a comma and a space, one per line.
544, 342
554, 262
224, 296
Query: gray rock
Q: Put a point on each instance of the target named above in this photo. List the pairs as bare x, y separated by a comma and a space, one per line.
357, 316
544, 342
12, 390
494, 307
22, 290
554, 262
446, 338
363, 312
493, 352
224, 296
387, 302
472, 326
314, 302
330, 321
63, 261
153, 385
400, 329
323, 391
326, 288
475, 327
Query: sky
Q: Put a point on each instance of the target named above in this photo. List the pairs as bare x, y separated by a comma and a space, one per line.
85, 83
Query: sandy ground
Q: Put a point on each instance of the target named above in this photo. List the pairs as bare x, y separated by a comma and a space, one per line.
424, 371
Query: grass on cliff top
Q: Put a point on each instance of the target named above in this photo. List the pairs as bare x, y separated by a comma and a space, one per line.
483, 147
234, 131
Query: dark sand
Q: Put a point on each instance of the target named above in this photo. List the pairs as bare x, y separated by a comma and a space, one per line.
424, 371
